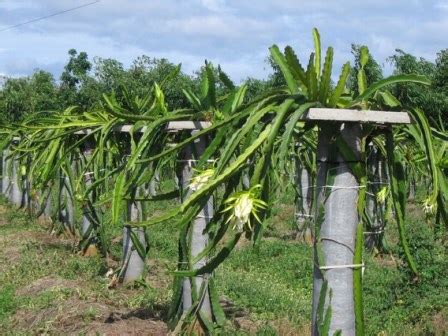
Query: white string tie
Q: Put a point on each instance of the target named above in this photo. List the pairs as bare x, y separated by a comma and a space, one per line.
191, 161
341, 187
373, 232
91, 173
330, 267
334, 187
304, 215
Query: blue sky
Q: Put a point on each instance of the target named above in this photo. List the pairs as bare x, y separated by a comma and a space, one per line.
235, 34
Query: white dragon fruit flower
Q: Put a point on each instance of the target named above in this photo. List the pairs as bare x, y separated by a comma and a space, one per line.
242, 205
201, 179
242, 210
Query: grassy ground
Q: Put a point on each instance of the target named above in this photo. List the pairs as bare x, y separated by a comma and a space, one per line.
46, 288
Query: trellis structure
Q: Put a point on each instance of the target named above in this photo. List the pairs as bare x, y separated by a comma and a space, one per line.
249, 137
193, 290
340, 188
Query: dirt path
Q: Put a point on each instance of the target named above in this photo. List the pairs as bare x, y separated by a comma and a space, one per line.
42, 301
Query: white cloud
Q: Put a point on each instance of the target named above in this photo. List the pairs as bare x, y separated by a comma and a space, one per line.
235, 33
18, 4
228, 27
214, 5
443, 5
202, 25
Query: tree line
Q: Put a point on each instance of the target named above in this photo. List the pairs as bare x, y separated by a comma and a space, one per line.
84, 81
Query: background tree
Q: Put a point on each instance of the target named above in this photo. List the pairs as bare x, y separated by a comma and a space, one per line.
432, 99
145, 71
14, 98
109, 73
256, 87
43, 90
20, 97
74, 75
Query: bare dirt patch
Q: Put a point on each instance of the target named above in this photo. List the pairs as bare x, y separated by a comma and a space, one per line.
158, 276
138, 322
11, 253
387, 260
42, 239
48, 239
3, 211
46, 284
12, 245
282, 327
440, 323
74, 317
247, 325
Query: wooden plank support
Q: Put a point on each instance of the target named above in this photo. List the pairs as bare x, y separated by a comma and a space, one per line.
364, 116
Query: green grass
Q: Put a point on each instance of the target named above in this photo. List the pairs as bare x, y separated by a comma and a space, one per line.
7, 302
395, 304
272, 283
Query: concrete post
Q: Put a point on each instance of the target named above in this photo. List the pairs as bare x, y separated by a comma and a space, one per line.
88, 179
197, 239
5, 172
335, 241
133, 262
16, 179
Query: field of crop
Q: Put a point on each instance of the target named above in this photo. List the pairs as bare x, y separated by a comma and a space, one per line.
147, 201
48, 289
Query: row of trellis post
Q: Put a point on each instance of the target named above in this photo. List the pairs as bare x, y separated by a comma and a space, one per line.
17, 189
337, 230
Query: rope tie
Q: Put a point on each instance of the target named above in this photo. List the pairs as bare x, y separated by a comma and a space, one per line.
374, 232
190, 161
330, 267
335, 187
299, 215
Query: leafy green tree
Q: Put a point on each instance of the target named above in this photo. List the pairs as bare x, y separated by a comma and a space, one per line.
145, 71
75, 73
76, 69
43, 91
22, 96
440, 81
14, 98
89, 94
433, 99
110, 73
255, 87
